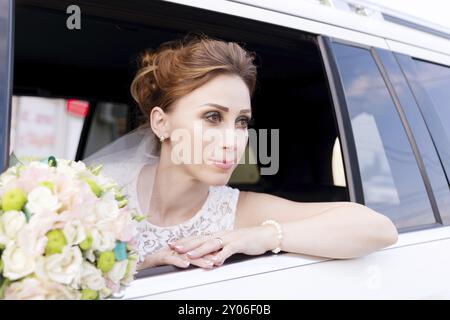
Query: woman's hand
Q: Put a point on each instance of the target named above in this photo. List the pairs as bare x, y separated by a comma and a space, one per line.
251, 241
167, 256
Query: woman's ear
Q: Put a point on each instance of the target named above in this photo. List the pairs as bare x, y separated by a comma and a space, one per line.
159, 121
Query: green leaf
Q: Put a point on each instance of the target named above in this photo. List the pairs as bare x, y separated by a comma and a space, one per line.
13, 160
5, 283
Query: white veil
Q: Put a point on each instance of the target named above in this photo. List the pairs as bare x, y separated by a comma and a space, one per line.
126, 154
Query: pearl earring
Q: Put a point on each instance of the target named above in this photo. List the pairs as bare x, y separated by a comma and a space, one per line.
162, 138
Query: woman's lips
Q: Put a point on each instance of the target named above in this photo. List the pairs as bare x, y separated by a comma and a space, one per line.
222, 165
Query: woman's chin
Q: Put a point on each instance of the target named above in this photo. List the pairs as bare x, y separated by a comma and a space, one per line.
216, 176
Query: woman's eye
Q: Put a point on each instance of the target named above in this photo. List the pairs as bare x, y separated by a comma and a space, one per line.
243, 122
213, 117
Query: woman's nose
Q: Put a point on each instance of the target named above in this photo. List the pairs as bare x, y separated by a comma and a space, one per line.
229, 141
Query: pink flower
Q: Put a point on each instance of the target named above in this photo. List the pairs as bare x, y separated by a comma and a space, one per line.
124, 226
32, 175
32, 236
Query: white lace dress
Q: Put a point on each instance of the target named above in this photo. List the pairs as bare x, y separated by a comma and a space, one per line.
216, 214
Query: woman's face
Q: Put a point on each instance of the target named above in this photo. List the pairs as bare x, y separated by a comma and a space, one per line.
208, 129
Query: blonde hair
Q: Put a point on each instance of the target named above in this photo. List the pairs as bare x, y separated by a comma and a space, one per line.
178, 67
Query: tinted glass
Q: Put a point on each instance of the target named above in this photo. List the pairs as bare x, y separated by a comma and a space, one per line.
392, 183
425, 145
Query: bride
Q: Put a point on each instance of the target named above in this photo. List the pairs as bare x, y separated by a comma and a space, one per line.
191, 90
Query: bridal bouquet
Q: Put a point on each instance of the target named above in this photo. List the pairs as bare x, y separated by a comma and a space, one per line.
66, 232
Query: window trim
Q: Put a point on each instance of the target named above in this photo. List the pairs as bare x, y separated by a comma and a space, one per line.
409, 134
348, 146
84, 134
6, 74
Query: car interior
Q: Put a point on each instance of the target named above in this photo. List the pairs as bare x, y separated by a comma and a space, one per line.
98, 62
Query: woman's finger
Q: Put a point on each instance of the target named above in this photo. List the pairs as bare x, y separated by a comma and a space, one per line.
204, 263
220, 257
176, 260
207, 247
188, 243
185, 245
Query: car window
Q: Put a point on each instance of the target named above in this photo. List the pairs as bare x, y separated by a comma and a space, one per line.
391, 180
429, 156
436, 80
429, 83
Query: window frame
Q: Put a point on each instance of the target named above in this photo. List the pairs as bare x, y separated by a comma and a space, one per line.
347, 141
351, 162
6, 74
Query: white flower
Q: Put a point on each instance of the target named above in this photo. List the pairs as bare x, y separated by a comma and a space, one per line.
107, 208
41, 200
91, 277
60, 292
38, 164
27, 289
102, 240
35, 289
64, 168
63, 267
74, 232
10, 224
78, 166
118, 271
8, 176
16, 263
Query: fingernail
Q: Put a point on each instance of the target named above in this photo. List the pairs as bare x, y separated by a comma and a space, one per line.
190, 254
179, 247
186, 263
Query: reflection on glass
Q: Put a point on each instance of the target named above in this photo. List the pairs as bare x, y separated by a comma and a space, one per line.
436, 80
391, 180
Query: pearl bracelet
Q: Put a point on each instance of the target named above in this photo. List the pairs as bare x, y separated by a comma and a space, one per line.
280, 233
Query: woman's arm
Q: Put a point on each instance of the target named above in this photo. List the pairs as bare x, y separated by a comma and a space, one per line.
328, 229
337, 230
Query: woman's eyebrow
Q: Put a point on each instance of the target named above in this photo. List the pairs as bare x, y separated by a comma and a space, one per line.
226, 109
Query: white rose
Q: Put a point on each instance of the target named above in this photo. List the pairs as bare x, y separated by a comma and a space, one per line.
74, 232
91, 277
38, 164
118, 271
102, 240
107, 208
10, 224
61, 292
64, 168
41, 200
61, 267
32, 288
16, 263
26, 289
8, 176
